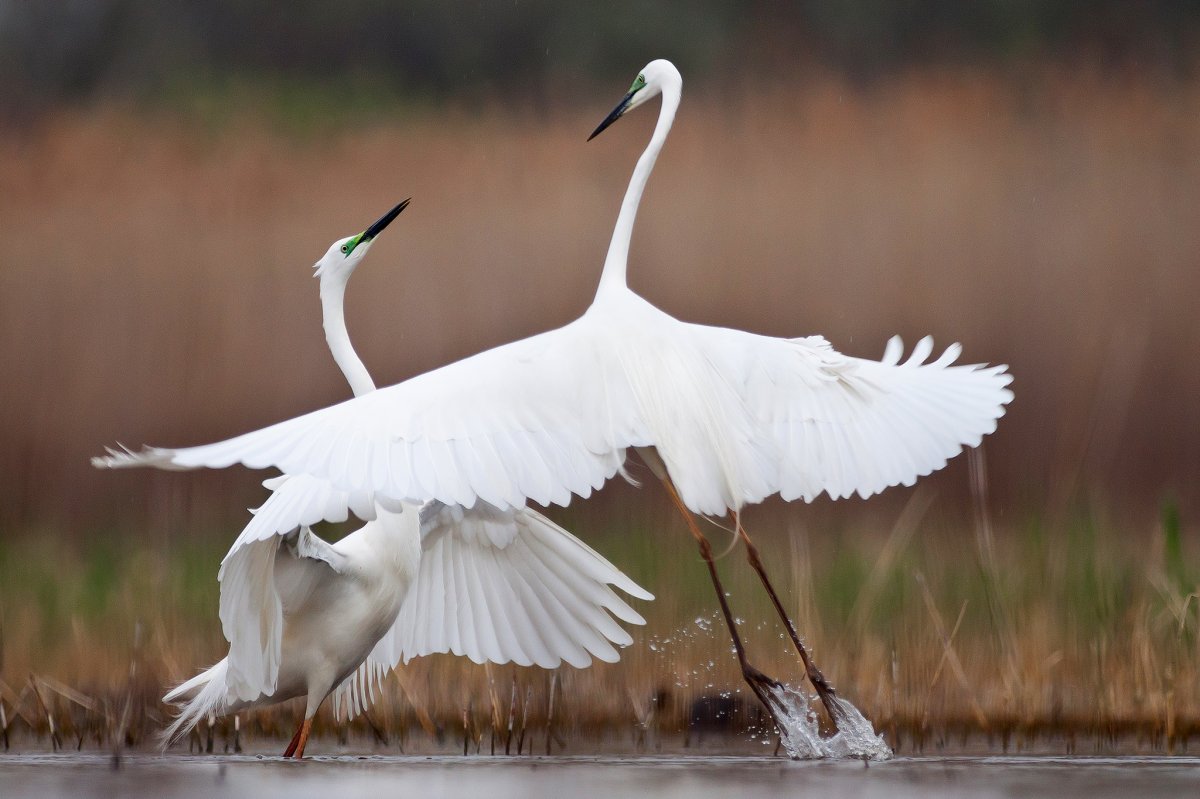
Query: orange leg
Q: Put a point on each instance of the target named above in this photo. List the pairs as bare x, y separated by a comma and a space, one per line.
296, 747
305, 728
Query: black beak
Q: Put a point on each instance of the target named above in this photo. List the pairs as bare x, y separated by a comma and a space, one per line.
613, 117
385, 220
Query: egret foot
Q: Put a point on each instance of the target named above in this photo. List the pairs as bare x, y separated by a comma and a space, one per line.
305, 728
767, 689
291, 747
296, 747
764, 687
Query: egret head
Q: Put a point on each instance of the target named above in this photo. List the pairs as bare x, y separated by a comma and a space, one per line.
650, 82
345, 254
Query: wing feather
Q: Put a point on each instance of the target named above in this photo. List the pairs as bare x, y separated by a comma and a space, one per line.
844, 425
252, 619
510, 586
524, 420
251, 608
509, 633
360, 689
585, 619
734, 416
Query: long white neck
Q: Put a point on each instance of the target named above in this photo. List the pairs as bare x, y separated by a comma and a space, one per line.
390, 545
333, 296
613, 276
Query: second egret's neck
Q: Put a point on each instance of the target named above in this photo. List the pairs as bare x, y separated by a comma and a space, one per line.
613, 276
333, 295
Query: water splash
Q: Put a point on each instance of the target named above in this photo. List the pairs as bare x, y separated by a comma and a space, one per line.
801, 735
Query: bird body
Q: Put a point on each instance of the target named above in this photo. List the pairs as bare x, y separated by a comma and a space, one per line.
335, 601
307, 618
331, 625
727, 416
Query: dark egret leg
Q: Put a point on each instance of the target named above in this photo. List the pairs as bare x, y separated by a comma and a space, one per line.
291, 747
759, 683
825, 691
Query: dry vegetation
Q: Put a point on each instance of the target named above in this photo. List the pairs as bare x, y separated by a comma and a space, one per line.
153, 287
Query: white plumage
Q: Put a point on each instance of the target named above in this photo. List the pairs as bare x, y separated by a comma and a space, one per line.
306, 618
302, 616
732, 417
736, 417
505, 586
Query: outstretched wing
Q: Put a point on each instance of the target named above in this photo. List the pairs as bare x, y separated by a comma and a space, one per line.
736, 417
841, 425
536, 419
509, 585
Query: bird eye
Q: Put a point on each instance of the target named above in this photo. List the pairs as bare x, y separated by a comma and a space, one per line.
346, 248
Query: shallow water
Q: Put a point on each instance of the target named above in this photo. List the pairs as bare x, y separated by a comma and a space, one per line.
530, 777
800, 731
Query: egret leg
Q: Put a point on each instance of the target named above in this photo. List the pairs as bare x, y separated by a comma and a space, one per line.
291, 747
296, 747
759, 683
825, 691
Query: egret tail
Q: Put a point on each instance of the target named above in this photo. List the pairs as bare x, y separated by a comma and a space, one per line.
205, 694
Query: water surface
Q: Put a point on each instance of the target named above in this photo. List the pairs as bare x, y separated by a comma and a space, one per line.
579, 777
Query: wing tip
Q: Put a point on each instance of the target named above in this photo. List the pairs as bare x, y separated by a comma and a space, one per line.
635, 591
122, 457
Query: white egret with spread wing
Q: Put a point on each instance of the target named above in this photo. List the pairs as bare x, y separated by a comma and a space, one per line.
308, 618
726, 418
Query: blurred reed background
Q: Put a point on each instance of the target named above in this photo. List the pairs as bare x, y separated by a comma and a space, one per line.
1032, 195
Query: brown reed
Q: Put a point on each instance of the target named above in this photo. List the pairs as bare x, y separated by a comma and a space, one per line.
154, 287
